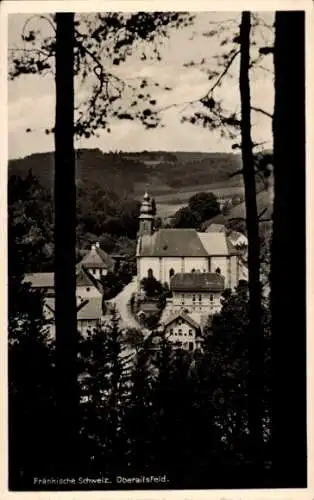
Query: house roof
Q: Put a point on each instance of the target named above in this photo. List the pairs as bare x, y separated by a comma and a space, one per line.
172, 242
91, 310
197, 282
82, 277
40, 280
185, 317
97, 259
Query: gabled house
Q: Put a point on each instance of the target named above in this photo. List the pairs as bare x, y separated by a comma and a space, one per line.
97, 262
86, 285
183, 331
89, 313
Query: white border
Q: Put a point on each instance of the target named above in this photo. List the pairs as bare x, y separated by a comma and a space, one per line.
7, 7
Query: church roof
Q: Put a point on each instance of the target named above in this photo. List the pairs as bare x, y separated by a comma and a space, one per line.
217, 244
197, 282
185, 243
216, 228
97, 259
172, 243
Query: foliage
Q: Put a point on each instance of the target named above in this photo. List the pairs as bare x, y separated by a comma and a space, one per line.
201, 207
204, 206
101, 38
30, 377
226, 350
125, 173
151, 410
104, 390
114, 282
101, 216
184, 218
30, 224
152, 287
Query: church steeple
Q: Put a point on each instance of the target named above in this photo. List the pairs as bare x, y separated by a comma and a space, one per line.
146, 215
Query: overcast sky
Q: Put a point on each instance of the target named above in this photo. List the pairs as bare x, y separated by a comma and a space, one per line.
31, 98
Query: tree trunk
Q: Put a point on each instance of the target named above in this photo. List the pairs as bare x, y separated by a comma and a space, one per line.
288, 296
255, 333
65, 241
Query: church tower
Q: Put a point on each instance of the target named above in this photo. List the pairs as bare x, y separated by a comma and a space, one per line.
146, 216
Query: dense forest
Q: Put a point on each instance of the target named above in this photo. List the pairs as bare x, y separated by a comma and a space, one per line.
102, 215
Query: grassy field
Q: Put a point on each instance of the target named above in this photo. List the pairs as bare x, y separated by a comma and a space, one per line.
171, 201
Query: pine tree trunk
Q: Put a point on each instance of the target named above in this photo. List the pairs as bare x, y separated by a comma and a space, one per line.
255, 333
65, 241
288, 296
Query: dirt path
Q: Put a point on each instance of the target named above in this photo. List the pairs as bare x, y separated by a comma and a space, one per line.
121, 302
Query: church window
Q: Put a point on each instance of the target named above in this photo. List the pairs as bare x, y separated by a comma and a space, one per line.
182, 298
87, 289
193, 270
200, 297
171, 273
211, 298
218, 270
180, 331
191, 346
171, 331
190, 333
150, 273
94, 271
193, 298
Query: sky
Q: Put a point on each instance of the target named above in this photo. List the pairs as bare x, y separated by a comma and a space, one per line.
31, 98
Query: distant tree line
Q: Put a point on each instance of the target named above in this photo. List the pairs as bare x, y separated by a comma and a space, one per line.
121, 171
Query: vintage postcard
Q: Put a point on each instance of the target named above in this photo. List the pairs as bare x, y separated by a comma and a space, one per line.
157, 249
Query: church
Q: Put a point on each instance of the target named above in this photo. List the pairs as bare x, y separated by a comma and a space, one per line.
164, 253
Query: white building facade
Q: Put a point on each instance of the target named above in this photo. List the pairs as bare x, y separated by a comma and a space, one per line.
167, 252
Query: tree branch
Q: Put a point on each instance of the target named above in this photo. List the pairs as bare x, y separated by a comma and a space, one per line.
262, 111
224, 72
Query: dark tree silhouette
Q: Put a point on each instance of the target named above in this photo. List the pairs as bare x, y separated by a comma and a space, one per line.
288, 315
65, 239
254, 330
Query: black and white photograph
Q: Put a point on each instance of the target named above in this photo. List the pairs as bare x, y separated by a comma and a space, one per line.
156, 247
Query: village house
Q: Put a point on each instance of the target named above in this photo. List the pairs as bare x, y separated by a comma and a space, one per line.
197, 292
89, 313
89, 293
97, 262
183, 331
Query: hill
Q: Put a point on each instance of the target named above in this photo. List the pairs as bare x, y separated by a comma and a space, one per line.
163, 173
235, 219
